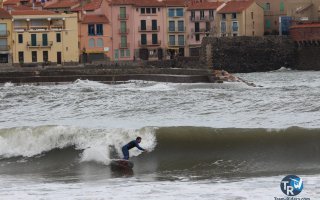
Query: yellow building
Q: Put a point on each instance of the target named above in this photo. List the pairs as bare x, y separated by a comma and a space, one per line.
240, 18
44, 37
5, 38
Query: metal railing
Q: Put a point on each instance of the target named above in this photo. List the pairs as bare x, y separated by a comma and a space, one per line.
201, 18
149, 43
123, 31
124, 45
123, 16
177, 43
4, 47
42, 44
176, 29
4, 33
149, 28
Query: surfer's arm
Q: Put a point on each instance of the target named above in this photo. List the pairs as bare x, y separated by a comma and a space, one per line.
142, 149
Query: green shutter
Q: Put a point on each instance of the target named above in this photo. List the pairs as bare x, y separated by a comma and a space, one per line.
281, 6
128, 52
116, 54
268, 24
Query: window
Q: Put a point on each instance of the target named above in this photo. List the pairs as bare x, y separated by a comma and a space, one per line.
143, 39
179, 12
154, 38
124, 41
123, 27
253, 24
33, 40
45, 56
223, 27
34, 56
154, 10
197, 37
234, 15
235, 27
211, 14
116, 54
91, 42
123, 13
154, 25
128, 52
99, 42
181, 26
172, 40
44, 39
267, 7
251, 15
193, 15
148, 10
21, 56
181, 40
121, 52
99, 28
20, 38
171, 12
142, 10
201, 14
124, 53
58, 37
282, 6
224, 17
268, 24
143, 25
171, 26
3, 29
91, 29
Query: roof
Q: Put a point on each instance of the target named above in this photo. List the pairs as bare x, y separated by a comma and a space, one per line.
4, 14
175, 3
11, 2
63, 4
146, 3
92, 5
149, 3
122, 2
236, 6
95, 19
32, 12
204, 6
21, 7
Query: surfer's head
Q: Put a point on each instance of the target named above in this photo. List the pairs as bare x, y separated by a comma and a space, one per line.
138, 139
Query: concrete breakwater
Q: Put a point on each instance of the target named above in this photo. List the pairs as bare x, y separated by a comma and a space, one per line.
67, 74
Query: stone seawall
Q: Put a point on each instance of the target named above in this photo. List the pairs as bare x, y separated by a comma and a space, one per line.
249, 54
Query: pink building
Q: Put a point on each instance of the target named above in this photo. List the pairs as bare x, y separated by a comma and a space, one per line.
201, 23
95, 33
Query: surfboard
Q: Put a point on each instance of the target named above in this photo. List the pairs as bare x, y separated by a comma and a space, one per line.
121, 164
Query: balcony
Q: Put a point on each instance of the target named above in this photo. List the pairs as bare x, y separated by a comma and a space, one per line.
4, 33
149, 29
124, 31
176, 43
176, 29
202, 30
149, 43
39, 44
124, 45
123, 17
4, 47
38, 28
199, 18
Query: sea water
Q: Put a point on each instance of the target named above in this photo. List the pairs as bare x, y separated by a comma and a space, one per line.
205, 140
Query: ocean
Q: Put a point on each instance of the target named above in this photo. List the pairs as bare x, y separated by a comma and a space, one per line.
205, 140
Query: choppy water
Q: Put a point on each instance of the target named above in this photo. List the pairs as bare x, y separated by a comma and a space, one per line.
206, 141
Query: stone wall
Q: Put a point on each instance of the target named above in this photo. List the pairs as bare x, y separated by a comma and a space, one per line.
308, 57
249, 54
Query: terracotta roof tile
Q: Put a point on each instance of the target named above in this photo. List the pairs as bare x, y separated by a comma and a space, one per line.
122, 2
146, 3
4, 14
95, 19
204, 6
236, 6
21, 7
93, 5
63, 4
174, 3
32, 12
11, 2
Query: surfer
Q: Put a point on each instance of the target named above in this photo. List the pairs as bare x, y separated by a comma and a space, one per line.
130, 145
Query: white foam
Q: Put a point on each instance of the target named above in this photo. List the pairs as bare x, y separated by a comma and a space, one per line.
8, 84
31, 141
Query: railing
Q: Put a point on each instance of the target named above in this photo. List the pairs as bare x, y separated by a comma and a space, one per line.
176, 29
123, 31
39, 44
176, 43
57, 27
201, 30
4, 47
124, 45
149, 43
123, 16
149, 29
39, 27
201, 18
4, 33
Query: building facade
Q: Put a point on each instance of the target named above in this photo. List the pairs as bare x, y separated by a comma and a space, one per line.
201, 23
44, 37
5, 38
240, 18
